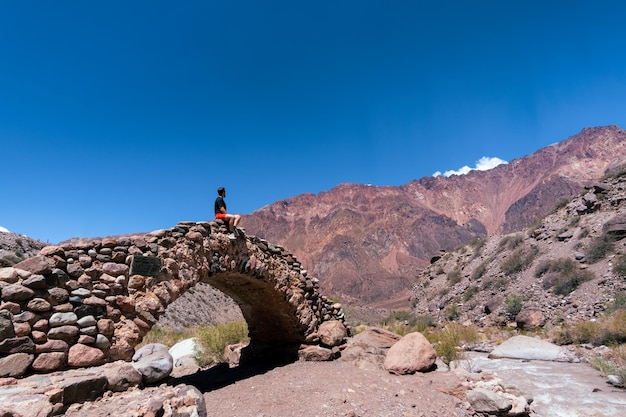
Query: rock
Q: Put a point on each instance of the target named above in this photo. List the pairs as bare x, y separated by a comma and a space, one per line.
51, 361
154, 362
62, 319
35, 282
616, 227
36, 265
529, 348
413, 353
181, 350
17, 345
15, 365
332, 333
7, 330
16, 292
115, 269
121, 376
367, 349
80, 387
315, 354
528, 319
615, 380
39, 305
83, 356
8, 275
29, 405
488, 402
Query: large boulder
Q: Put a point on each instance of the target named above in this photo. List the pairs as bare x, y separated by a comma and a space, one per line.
413, 353
367, 349
332, 333
154, 362
529, 348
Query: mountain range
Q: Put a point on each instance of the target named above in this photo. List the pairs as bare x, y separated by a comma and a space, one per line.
367, 244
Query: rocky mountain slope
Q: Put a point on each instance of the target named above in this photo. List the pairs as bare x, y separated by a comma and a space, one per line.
366, 243
567, 266
15, 248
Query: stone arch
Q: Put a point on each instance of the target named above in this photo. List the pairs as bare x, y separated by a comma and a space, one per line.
91, 301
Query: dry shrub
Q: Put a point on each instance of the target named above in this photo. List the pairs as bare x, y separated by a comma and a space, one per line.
599, 248
519, 259
447, 341
563, 275
454, 277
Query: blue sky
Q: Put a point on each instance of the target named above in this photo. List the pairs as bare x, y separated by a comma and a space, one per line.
121, 117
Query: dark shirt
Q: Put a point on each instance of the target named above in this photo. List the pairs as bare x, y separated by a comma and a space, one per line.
219, 202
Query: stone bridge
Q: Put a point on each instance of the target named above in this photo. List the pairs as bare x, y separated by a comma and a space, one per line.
91, 301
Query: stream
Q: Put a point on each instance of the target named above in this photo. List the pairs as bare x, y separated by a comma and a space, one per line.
559, 389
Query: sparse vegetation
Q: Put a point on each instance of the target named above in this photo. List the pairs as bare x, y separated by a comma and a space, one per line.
404, 322
212, 340
479, 271
562, 275
513, 305
470, 292
511, 242
559, 205
451, 312
454, 277
520, 259
599, 248
447, 340
611, 330
620, 265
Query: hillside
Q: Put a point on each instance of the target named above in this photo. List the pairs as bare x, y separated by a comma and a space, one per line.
567, 266
366, 243
15, 248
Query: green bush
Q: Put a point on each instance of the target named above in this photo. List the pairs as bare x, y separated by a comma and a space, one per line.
513, 305
214, 339
446, 341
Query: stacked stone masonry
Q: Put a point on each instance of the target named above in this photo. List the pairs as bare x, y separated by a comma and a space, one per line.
91, 301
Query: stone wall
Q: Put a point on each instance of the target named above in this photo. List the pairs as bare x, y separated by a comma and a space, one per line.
91, 301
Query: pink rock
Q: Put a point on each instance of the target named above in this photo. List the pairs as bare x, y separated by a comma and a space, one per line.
83, 356
332, 333
36, 265
413, 353
48, 362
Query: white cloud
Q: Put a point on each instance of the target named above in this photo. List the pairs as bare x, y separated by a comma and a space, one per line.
483, 164
4, 230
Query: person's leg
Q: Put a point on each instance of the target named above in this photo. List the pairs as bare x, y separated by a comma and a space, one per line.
237, 220
231, 223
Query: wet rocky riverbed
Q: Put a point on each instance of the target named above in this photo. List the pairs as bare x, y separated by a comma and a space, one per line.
559, 389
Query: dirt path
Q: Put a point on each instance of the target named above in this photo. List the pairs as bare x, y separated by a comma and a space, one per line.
326, 389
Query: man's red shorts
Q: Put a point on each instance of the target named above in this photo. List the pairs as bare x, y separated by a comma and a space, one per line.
220, 216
